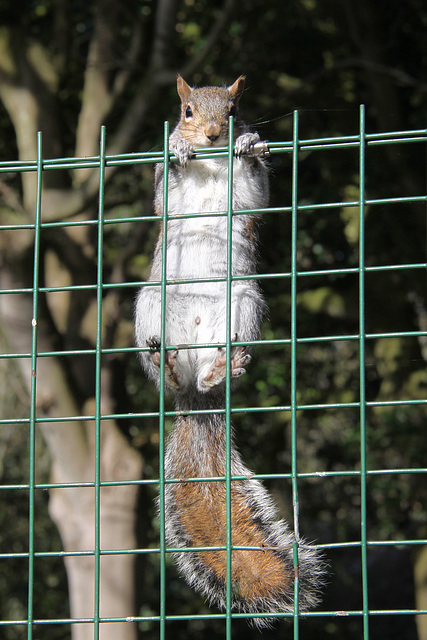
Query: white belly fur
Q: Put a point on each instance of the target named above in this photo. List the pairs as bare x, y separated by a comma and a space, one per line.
197, 248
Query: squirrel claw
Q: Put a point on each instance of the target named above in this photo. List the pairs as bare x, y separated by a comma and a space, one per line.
170, 360
153, 343
183, 150
244, 143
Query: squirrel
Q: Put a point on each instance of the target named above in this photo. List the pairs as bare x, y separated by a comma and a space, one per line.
262, 579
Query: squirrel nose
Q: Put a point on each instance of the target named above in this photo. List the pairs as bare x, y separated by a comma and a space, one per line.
213, 132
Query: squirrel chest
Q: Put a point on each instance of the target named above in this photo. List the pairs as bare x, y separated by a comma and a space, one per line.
197, 247
203, 187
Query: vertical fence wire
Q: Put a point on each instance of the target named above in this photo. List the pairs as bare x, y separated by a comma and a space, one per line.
162, 386
98, 387
362, 337
294, 336
33, 391
229, 221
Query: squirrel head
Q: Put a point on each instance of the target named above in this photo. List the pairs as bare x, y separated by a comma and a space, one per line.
205, 112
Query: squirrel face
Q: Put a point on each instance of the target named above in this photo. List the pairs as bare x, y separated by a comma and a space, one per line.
205, 112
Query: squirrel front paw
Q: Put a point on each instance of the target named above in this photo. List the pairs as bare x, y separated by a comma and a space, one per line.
182, 149
244, 143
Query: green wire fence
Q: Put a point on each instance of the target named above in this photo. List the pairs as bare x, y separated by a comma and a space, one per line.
360, 142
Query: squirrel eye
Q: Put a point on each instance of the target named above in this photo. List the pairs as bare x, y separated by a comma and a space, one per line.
233, 111
188, 112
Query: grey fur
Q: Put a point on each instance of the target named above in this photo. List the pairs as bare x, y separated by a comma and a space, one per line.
196, 314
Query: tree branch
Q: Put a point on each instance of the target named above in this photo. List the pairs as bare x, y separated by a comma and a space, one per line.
27, 88
102, 83
129, 64
165, 75
11, 198
217, 30
164, 29
97, 98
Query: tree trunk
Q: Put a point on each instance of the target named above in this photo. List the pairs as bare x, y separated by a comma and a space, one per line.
72, 447
32, 75
73, 510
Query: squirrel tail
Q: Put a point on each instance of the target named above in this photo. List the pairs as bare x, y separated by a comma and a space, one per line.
262, 579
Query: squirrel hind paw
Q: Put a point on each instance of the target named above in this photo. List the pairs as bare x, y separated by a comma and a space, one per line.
244, 143
171, 377
218, 371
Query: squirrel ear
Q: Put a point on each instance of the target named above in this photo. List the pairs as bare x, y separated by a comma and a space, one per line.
183, 88
237, 88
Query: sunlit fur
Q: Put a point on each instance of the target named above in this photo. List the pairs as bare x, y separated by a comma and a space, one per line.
262, 579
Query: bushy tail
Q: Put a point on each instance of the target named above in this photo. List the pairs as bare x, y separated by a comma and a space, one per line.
262, 579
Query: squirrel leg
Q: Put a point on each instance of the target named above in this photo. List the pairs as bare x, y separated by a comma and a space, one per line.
217, 373
170, 362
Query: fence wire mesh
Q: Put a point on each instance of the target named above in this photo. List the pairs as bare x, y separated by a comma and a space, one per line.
293, 282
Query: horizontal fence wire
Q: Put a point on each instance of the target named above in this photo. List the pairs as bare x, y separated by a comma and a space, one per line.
360, 142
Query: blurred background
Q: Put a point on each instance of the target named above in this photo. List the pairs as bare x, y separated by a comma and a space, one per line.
66, 68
